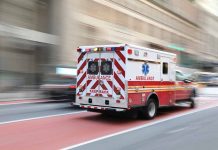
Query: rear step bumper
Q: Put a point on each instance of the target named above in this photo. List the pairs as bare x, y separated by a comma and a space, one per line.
102, 108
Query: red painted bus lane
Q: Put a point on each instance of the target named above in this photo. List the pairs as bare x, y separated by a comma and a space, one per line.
63, 131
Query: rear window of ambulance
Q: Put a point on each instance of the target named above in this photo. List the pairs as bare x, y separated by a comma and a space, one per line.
93, 68
106, 68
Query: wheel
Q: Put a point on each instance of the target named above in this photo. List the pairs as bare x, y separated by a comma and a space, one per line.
191, 100
192, 105
150, 109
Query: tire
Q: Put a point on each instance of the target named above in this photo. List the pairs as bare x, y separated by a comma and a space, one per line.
192, 105
150, 109
191, 100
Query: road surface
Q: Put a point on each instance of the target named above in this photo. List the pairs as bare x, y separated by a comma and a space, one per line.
31, 110
53, 125
193, 132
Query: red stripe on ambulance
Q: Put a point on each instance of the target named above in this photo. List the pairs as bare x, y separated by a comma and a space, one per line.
81, 67
119, 81
119, 67
122, 57
94, 88
88, 82
150, 83
81, 79
81, 56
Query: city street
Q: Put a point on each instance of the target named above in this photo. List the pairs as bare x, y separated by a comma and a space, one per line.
57, 125
193, 132
62, 61
13, 111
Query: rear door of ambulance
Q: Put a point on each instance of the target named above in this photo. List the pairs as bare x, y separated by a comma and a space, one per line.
99, 76
105, 77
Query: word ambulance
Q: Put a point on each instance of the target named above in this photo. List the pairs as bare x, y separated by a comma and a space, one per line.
126, 77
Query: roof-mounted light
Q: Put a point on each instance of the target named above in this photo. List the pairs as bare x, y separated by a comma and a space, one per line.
100, 49
88, 49
83, 50
108, 49
95, 49
79, 49
129, 51
136, 52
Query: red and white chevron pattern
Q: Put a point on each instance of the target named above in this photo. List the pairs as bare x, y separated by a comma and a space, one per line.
119, 74
93, 86
106, 85
81, 73
99, 85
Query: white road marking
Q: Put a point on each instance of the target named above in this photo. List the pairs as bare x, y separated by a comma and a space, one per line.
29, 102
42, 117
176, 130
137, 128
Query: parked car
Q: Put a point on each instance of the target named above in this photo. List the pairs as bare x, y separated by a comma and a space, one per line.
213, 81
60, 87
204, 78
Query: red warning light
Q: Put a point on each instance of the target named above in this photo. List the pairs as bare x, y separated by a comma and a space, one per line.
129, 51
108, 49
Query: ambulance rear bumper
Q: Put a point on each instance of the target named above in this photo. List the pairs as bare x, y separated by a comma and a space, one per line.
101, 102
100, 108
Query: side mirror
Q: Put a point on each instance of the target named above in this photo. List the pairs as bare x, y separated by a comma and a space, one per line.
186, 81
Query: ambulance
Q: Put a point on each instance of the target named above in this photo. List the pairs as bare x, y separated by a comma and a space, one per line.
126, 77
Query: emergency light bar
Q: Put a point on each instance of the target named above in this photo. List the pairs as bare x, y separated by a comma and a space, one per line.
100, 49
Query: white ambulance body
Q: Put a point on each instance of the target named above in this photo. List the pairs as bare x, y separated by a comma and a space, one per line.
127, 77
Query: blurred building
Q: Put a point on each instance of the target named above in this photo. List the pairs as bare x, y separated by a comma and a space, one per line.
25, 42
209, 5
181, 27
37, 36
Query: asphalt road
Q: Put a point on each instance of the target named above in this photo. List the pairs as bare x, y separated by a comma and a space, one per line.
198, 131
36, 126
32, 110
